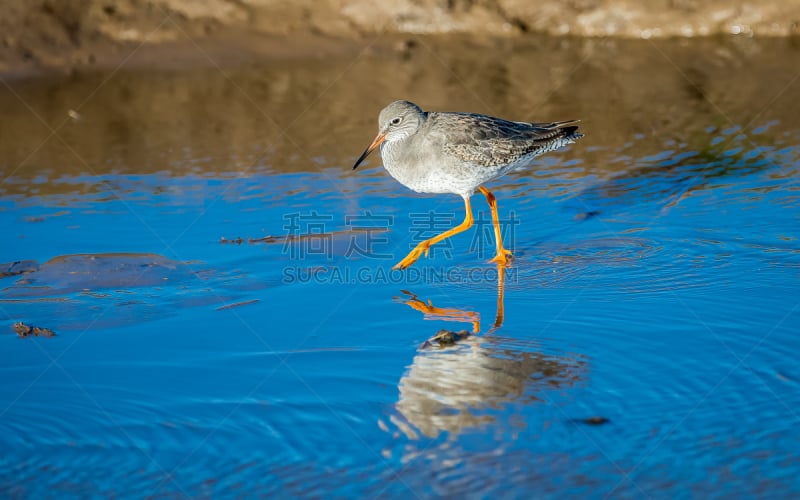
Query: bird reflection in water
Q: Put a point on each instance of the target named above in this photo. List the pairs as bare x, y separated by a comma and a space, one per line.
460, 380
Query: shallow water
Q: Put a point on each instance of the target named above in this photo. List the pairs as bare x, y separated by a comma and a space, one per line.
227, 322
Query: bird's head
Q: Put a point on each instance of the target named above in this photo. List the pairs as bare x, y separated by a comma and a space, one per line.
396, 121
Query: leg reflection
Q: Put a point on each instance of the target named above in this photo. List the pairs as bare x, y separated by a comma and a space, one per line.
443, 313
501, 288
448, 337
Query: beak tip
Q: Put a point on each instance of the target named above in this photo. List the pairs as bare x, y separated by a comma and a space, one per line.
377, 142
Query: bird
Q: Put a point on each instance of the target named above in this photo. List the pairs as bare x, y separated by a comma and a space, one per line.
457, 153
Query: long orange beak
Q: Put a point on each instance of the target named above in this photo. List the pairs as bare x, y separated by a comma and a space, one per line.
377, 142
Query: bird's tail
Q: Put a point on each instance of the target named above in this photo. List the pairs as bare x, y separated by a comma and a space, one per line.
565, 130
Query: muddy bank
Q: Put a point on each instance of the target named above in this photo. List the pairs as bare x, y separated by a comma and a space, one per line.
74, 33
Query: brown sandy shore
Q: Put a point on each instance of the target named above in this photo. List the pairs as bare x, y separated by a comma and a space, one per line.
65, 34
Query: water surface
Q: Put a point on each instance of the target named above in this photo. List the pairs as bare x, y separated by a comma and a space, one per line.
228, 324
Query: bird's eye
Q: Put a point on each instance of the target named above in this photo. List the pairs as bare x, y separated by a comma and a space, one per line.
396, 121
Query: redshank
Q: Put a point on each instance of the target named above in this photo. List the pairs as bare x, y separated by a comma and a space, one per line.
433, 152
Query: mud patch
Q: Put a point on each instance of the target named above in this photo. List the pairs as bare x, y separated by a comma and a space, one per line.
101, 291
93, 272
18, 267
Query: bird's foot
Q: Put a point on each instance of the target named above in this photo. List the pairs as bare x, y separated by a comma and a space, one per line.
421, 306
503, 257
412, 256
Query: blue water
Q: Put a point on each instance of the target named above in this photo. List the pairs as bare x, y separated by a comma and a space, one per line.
646, 345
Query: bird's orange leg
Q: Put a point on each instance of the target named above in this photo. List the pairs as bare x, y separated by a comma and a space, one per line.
424, 246
503, 256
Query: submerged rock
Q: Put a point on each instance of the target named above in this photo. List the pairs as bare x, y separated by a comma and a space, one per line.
445, 338
594, 420
24, 330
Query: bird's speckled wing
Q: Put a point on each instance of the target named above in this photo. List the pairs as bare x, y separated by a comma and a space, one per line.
485, 140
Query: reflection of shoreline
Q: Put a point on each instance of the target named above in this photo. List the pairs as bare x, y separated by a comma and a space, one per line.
458, 385
135, 131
